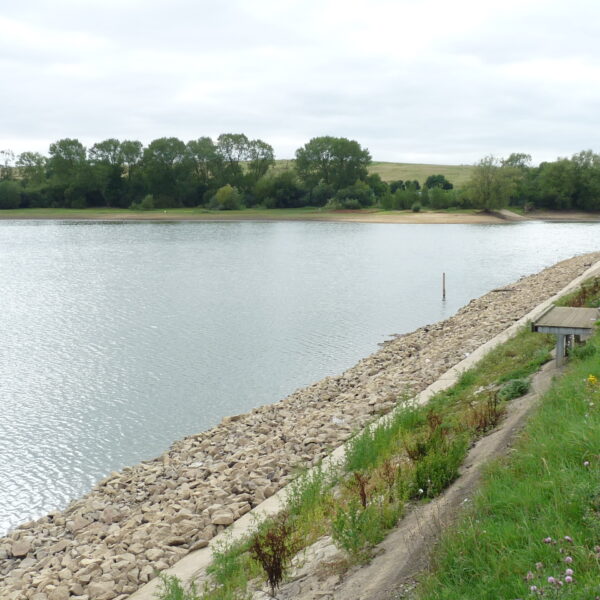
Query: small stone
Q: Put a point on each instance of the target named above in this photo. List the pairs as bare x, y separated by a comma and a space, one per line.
20, 548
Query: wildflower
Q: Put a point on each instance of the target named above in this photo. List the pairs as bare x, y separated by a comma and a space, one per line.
569, 579
548, 540
533, 588
569, 539
592, 379
569, 560
529, 576
569, 572
539, 566
586, 463
551, 579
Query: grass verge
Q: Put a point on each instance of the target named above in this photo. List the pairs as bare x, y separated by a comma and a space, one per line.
411, 457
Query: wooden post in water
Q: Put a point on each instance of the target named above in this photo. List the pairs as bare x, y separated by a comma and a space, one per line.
443, 286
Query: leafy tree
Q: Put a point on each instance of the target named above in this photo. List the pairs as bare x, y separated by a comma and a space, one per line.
379, 187
107, 167
166, 168
556, 183
204, 156
10, 194
282, 190
32, 168
438, 181
338, 162
517, 160
260, 157
358, 195
490, 185
226, 198
7, 159
396, 185
67, 160
231, 152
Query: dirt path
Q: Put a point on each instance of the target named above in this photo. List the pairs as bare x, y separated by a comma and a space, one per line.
405, 552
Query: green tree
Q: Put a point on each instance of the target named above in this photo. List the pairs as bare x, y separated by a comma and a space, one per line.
10, 194
32, 168
7, 161
260, 158
167, 169
438, 181
107, 167
226, 198
231, 153
490, 185
338, 162
282, 190
69, 173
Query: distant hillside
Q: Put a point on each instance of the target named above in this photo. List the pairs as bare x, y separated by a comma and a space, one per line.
390, 171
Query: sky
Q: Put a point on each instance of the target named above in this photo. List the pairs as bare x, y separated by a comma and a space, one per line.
427, 81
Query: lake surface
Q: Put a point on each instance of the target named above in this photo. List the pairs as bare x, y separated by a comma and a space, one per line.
120, 338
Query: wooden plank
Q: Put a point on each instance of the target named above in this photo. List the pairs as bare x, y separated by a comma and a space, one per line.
569, 318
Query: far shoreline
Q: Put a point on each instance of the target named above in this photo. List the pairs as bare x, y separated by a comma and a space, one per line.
450, 217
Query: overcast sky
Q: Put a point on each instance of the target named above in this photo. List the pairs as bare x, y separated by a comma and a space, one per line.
414, 81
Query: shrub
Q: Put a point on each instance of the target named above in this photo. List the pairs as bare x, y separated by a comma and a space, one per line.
355, 529
486, 415
147, 203
226, 198
10, 194
416, 207
173, 589
514, 389
273, 548
438, 469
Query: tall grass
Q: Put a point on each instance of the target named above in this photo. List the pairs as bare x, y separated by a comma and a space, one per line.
536, 508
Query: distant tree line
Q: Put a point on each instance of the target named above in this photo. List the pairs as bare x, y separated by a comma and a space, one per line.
234, 172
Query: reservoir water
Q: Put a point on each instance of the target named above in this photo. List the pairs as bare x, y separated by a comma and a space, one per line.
119, 338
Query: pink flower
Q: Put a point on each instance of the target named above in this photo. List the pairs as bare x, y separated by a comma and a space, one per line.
548, 540
569, 539
533, 588
539, 566
568, 560
551, 579
529, 576
568, 579
569, 572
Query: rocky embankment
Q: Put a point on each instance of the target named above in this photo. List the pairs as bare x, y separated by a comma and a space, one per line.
144, 518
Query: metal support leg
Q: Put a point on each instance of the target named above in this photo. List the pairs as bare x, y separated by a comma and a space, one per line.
560, 349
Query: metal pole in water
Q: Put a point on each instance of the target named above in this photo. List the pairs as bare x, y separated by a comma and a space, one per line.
443, 286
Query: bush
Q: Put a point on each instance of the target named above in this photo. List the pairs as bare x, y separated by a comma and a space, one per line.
355, 196
514, 389
226, 198
273, 548
10, 195
147, 203
416, 207
438, 469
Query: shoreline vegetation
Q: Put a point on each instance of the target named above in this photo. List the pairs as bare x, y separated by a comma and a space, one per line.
234, 172
373, 215
148, 516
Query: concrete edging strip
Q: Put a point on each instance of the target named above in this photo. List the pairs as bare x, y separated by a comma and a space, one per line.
191, 566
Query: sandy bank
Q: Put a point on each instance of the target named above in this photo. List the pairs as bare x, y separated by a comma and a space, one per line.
146, 517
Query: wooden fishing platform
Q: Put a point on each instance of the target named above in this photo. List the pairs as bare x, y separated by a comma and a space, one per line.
568, 324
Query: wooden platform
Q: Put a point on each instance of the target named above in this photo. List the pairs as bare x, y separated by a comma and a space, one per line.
568, 324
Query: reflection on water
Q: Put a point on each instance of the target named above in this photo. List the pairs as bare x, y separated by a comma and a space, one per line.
119, 338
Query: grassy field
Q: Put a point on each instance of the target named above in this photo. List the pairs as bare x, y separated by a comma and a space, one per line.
391, 171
